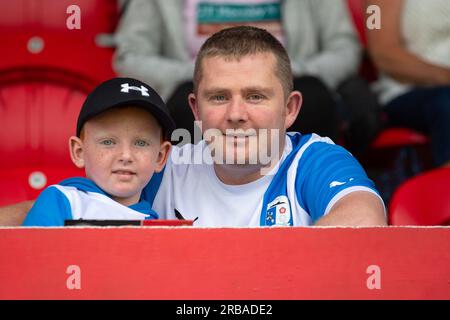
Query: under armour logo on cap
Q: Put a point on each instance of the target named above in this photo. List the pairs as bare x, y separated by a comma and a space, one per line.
126, 88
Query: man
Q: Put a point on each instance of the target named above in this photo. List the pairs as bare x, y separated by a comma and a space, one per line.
243, 89
243, 95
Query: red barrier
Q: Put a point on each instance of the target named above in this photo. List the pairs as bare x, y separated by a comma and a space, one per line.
192, 263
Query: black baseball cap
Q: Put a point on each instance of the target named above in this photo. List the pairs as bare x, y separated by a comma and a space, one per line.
123, 92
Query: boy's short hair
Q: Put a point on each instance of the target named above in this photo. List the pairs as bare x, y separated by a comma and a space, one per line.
119, 92
240, 41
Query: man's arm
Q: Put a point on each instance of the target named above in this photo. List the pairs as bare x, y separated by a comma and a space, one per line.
359, 208
14, 215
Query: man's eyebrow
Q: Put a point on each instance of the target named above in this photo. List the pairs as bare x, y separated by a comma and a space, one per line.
216, 90
258, 89
253, 89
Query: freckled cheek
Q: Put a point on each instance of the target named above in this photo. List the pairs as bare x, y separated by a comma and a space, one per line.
98, 164
98, 156
145, 162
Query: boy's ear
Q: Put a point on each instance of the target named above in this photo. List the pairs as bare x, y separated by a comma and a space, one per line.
163, 155
76, 151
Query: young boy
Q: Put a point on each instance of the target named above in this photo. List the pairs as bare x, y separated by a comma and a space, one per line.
122, 139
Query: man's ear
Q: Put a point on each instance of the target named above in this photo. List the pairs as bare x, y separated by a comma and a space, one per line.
293, 106
163, 155
193, 104
76, 151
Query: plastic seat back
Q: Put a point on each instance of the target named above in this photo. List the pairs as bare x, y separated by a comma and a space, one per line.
422, 200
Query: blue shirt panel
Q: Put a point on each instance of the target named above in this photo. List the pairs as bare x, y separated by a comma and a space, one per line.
323, 171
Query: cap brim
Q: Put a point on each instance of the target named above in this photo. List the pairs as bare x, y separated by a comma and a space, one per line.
166, 122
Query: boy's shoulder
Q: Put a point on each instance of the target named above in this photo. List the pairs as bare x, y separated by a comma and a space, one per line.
79, 198
79, 183
51, 208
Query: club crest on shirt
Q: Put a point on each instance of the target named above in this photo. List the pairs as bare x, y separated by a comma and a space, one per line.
278, 212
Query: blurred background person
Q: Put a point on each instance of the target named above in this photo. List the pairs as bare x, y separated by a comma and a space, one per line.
412, 53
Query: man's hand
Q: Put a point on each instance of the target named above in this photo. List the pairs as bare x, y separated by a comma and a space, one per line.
360, 208
15, 214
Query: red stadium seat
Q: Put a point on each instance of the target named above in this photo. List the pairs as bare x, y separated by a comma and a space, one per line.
357, 12
398, 137
34, 35
422, 200
37, 118
25, 183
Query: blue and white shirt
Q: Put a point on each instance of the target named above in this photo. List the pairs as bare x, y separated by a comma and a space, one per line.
80, 198
313, 174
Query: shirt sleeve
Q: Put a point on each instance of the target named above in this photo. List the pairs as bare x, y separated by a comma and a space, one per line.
325, 173
50, 209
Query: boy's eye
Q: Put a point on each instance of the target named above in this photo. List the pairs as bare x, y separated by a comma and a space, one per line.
141, 143
107, 142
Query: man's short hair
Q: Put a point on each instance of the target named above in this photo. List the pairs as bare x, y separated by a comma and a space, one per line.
240, 41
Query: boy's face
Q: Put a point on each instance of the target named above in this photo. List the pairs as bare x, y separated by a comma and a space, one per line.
120, 150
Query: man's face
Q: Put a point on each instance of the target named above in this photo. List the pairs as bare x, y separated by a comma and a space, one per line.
121, 150
244, 94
